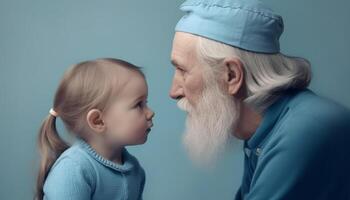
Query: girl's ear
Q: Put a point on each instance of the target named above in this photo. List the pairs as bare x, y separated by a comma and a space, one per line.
233, 75
95, 121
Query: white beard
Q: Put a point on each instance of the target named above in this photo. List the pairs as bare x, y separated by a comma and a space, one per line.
210, 124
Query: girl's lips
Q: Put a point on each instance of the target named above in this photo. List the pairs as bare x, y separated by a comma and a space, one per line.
149, 128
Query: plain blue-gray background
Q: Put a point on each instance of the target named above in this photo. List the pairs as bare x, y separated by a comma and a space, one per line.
40, 39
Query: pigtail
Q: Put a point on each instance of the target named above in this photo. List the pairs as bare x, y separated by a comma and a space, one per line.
51, 146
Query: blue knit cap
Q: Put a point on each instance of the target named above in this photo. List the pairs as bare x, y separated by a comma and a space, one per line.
246, 24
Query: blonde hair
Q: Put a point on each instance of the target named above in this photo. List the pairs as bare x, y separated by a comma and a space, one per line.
266, 76
84, 86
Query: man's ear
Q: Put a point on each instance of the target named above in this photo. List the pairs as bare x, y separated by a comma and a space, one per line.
233, 75
95, 121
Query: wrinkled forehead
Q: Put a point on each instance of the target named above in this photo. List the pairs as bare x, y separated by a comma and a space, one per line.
184, 49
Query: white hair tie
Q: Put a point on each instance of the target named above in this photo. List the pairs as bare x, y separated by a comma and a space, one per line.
53, 112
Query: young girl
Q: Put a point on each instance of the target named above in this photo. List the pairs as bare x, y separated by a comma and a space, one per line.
104, 104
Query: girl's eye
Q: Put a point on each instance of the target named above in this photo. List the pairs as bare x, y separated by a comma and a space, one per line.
139, 104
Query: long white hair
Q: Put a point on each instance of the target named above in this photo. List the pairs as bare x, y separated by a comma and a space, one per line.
266, 76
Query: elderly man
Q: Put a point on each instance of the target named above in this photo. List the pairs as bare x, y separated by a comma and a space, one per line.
232, 80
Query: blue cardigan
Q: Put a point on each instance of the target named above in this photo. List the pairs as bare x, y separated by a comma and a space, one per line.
82, 174
301, 150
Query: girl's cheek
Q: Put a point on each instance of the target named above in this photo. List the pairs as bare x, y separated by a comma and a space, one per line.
139, 126
134, 127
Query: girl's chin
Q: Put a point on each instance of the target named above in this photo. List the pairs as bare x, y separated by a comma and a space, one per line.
144, 139
141, 140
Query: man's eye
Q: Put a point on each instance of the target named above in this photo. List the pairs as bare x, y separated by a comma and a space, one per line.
180, 69
182, 72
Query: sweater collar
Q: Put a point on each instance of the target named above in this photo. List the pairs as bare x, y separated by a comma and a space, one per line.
127, 158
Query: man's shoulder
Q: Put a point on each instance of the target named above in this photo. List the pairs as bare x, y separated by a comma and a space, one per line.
306, 150
311, 111
312, 120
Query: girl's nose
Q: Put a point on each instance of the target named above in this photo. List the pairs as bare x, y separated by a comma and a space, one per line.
150, 114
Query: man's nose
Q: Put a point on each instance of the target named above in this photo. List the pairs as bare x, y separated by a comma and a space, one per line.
176, 91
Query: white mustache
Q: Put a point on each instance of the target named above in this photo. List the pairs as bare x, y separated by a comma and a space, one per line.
184, 105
